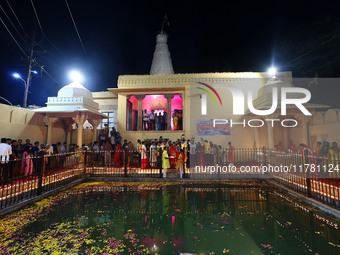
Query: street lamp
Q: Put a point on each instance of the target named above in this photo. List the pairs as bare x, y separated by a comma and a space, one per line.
272, 72
76, 76
17, 76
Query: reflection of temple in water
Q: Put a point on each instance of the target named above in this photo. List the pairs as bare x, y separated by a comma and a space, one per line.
170, 214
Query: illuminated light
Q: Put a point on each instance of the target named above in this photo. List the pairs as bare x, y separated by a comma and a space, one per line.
76, 76
35, 72
272, 72
16, 75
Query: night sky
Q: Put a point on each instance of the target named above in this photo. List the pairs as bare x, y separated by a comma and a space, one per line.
119, 38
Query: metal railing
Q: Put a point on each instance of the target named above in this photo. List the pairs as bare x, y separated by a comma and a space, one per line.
25, 179
30, 177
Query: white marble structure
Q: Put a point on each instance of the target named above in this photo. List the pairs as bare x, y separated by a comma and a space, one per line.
74, 104
161, 62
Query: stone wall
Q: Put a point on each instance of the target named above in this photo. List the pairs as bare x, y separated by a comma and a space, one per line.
21, 123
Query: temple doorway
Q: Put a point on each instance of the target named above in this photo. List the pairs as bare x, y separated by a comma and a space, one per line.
155, 110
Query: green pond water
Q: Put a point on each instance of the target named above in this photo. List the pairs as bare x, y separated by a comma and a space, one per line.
174, 219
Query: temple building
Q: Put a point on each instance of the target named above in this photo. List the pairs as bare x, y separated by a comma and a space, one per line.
72, 107
166, 94
172, 105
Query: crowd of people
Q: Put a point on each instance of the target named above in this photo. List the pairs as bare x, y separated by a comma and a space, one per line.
160, 152
159, 120
112, 150
12, 149
321, 149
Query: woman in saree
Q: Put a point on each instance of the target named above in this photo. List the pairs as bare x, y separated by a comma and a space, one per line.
230, 149
334, 153
27, 163
172, 154
153, 154
118, 155
144, 156
180, 163
180, 120
158, 122
175, 119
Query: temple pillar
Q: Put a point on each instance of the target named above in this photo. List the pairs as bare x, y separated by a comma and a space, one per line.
68, 136
304, 119
168, 98
80, 119
256, 138
95, 123
140, 112
68, 129
271, 120
49, 123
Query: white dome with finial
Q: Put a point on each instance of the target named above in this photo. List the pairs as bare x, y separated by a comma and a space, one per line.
75, 90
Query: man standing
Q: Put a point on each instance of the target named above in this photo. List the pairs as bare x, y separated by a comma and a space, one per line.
152, 120
5, 152
118, 138
165, 120
14, 149
21, 147
107, 152
28, 142
193, 155
35, 149
63, 148
130, 154
145, 121
139, 149
230, 154
165, 161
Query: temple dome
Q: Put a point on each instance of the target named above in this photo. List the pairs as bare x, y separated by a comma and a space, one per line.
75, 90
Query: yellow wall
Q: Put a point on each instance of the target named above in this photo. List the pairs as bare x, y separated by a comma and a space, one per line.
20, 123
240, 137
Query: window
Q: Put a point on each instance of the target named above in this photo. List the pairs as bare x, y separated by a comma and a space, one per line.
109, 121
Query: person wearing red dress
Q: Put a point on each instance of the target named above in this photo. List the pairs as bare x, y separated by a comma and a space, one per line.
231, 154
117, 157
172, 152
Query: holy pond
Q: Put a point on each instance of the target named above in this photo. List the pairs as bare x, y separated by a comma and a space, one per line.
169, 218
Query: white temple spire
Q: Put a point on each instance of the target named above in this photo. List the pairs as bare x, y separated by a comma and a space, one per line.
161, 62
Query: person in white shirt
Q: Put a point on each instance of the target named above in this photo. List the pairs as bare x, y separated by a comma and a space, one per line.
48, 150
144, 156
145, 120
5, 152
153, 155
